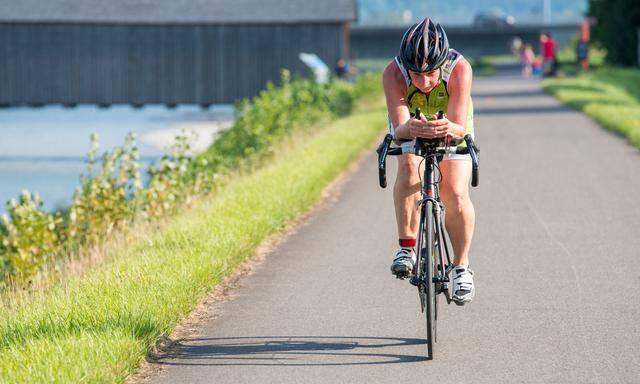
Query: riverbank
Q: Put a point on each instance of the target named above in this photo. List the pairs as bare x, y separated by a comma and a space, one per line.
98, 327
44, 150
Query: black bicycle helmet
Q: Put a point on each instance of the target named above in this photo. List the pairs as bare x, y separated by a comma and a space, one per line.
424, 47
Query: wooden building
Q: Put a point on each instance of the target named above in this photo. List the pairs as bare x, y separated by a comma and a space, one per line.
160, 51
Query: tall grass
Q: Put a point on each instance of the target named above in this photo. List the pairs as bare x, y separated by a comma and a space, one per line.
98, 327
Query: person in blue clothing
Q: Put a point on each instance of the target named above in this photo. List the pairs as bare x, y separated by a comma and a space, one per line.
342, 69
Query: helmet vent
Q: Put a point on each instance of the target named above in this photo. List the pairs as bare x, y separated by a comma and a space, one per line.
424, 46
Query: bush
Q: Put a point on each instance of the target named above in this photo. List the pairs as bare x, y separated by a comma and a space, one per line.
102, 203
341, 98
174, 180
368, 84
276, 111
30, 238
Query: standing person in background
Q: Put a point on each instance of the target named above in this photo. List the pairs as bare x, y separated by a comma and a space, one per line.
526, 59
516, 45
341, 69
582, 50
549, 59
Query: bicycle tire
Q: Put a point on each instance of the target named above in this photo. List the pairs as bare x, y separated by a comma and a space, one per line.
439, 266
427, 259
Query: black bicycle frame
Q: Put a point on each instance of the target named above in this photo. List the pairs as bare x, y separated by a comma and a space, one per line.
432, 151
431, 192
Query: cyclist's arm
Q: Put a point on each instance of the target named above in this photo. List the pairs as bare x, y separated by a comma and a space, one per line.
394, 89
459, 88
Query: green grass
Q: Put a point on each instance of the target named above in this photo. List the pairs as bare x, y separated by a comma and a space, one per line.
568, 66
98, 327
610, 95
481, 67
506, 58
371, 65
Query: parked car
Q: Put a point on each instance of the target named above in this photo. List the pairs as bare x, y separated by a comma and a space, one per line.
493, 19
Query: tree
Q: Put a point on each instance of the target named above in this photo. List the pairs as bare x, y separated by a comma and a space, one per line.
617, 22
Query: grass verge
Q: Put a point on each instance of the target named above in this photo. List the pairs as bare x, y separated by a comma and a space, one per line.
98, 327
482, 66
609, 95
568, 65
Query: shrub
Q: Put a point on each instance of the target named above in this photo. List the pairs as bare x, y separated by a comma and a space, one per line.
174, 179
29, 237
102, 202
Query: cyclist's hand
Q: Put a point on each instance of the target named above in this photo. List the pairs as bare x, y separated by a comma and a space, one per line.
445, 128
421, 128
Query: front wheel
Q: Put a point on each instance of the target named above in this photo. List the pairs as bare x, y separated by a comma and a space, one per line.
427, 258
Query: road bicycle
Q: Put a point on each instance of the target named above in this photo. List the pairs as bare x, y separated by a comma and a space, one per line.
432, 270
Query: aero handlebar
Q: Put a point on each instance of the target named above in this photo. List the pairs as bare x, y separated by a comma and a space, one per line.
423, 148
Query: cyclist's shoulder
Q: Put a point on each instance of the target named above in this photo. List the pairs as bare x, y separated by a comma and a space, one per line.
392, 71
392, 76
455, 65
461, 73
463, 67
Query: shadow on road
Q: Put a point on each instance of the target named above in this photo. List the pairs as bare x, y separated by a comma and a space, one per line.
288, 350
518, 110
509, 94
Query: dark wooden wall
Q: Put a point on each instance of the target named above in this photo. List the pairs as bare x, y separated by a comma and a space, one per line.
151, 64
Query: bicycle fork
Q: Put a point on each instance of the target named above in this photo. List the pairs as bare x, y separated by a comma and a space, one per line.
444, 264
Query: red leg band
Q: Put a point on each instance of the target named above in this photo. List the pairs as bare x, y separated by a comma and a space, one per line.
407, 243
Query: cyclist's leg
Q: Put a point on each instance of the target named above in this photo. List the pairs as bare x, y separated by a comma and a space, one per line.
405, 196
406, 192
460, 214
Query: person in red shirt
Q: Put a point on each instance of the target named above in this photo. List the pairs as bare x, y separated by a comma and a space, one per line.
549, 59
582, 50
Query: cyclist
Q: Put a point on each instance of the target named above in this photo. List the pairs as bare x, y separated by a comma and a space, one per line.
429, 75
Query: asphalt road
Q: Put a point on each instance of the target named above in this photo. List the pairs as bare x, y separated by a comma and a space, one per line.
555, 256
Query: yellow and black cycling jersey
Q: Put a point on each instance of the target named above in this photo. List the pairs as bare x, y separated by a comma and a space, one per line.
438, 99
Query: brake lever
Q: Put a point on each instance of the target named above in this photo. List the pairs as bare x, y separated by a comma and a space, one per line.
382, 150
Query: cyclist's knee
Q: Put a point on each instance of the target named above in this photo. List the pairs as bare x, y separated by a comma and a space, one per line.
407, 166
456, 199
407, 179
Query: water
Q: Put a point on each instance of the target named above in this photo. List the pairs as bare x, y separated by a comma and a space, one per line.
44, 149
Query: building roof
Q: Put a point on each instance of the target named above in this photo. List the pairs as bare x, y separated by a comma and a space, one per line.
176, 11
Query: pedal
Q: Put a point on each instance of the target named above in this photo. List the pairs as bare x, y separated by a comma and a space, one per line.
401, 275
442, 288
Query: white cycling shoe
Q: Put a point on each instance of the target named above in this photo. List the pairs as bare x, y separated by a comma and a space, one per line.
463, 288
403, 263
